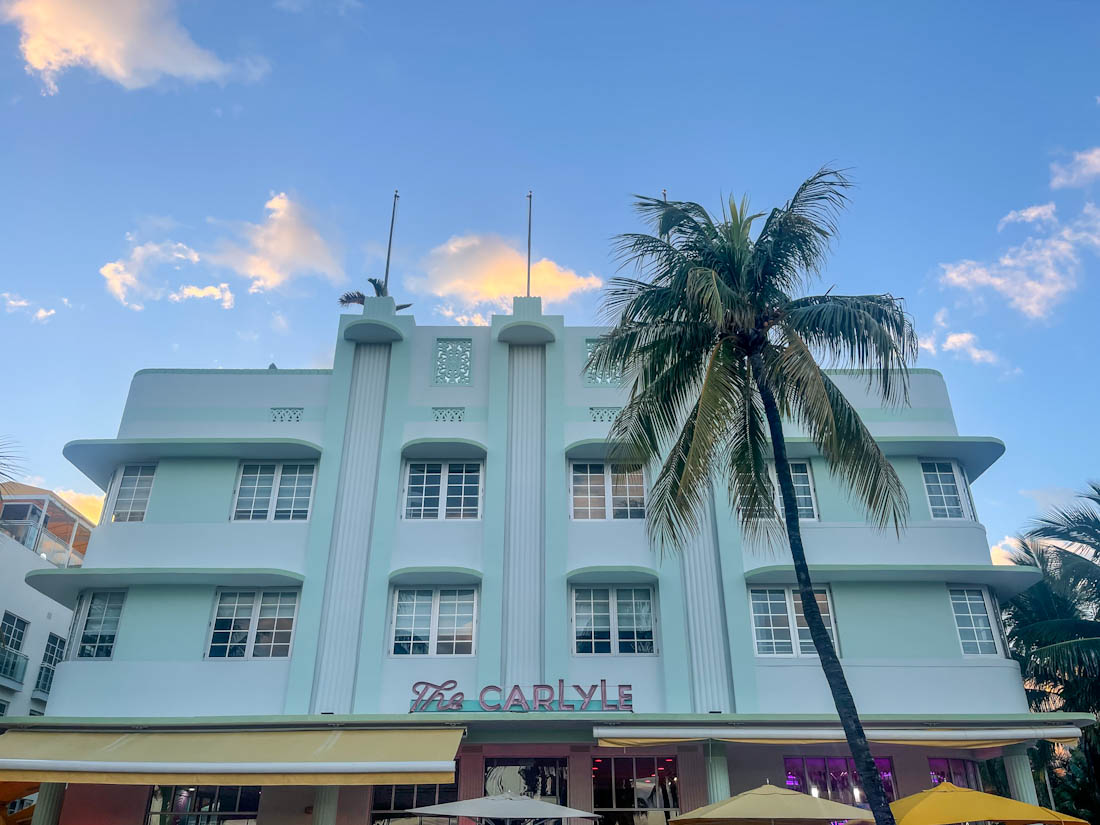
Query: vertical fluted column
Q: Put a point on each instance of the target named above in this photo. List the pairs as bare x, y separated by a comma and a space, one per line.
706, 619
326, 800
349, 551
1021, 783
718, 772
523, 518
47, 807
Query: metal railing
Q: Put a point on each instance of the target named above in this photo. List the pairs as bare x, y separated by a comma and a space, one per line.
44, 680
13, 665
43, 542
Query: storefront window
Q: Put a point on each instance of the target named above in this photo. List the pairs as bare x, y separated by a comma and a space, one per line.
204, 805
635, 790
835, 777
545, 779
961, 772
390, 803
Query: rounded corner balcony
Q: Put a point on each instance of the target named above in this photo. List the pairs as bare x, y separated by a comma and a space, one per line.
98, 458
435, 575
63, 585
372, 331
526, 333
443, 448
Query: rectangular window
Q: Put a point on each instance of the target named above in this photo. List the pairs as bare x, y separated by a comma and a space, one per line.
3, 708
100, 626
776, 610
389, 803
456, 485
836, 778
596, 483
257, 624
962, 773
291, 485
436, 621
132, 496
204, 805
54, 653
804, 489
941, 484
613, 620
627, 790
972, 619
12, 631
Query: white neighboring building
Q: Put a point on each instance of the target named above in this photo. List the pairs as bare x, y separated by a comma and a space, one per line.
38, 530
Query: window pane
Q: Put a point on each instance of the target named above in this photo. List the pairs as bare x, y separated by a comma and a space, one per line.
589, 500
634, 619
592, 619
412, 622
133, 492
803, 489
55, 650
805, 643
627, 491
972, 621
275, 624
455, 625
463, 490
254, 492
422, 496
203, 805
942, 489
295, 486
97, 641
12, 631
770, 621
232, 622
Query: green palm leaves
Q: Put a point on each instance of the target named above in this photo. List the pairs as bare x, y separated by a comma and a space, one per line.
707, 300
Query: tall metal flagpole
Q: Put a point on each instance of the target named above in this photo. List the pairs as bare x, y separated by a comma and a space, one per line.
389, 246
530, 198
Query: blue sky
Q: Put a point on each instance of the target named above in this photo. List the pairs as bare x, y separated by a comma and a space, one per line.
194, 183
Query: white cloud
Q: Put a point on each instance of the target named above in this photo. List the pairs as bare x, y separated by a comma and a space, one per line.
927, 343
285, 246
1002, 551
1083, 168
1034, 276
132, 42
89, 505
966, 343
487, 271
127, 278
279, 323
14, 303
220, 293
41, 315
473, 319
1040, 213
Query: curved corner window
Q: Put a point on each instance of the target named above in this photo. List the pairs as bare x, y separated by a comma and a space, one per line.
132, 495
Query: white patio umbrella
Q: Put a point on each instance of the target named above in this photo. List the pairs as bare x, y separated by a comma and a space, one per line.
505, 807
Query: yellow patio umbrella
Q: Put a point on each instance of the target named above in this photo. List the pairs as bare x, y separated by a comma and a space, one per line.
946, 804
772, 804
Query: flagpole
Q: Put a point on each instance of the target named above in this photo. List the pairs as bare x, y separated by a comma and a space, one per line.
530, 198
389, 246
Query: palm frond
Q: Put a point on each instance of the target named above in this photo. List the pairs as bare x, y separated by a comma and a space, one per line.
353, 297
1073, 524
379, 285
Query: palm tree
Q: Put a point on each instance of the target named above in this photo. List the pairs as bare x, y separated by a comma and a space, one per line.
380, 291
9, 462
719, 351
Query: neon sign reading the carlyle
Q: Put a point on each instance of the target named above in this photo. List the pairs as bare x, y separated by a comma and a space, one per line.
428, 696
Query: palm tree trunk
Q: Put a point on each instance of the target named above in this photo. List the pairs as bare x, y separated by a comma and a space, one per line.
830, 662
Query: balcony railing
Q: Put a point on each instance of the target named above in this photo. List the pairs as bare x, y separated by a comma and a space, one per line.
43, 542
13, 665
44, 681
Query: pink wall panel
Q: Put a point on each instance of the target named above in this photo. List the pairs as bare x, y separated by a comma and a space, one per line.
104, 805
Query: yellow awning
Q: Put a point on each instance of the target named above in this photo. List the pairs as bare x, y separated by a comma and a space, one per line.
251, 757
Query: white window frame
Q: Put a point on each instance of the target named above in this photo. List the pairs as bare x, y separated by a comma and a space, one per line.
961, 484
444, 477
791, 594
990, 613
253, 623
22, 631
609, 510
274, 493
433, 632
779, 494
80, 619
613, 597
116, 486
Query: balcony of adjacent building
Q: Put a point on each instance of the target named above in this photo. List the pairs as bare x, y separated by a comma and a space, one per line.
44, 524
13, 668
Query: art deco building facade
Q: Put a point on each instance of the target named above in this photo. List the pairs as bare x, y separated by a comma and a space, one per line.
336, 594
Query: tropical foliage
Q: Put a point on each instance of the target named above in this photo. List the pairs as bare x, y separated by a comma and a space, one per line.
380, 291
1054, 631
720, 348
